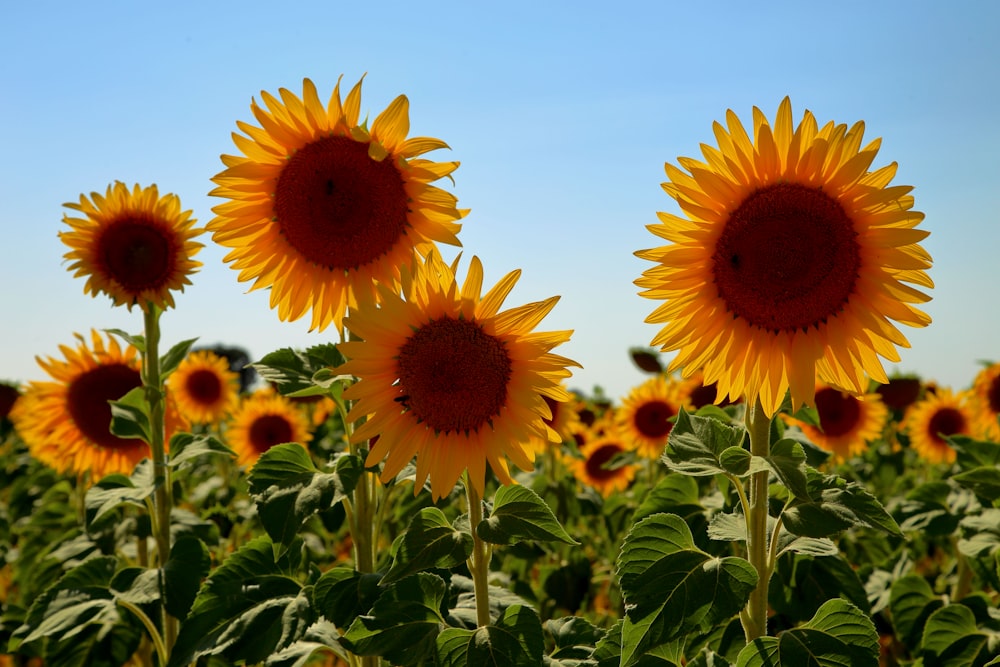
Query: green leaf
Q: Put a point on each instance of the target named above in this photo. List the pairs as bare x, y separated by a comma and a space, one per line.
736, 461
839, 635
403, 623
802, 583
343, 593
952, 639
971, 453
608, 650
174, 356
983, 481
187, 447
911, 602
293, 371
787, 459
136, 341
836, 504
320, 637
188, 564
288, 488
428, 542
81, 598
574, 637
515, 640
115, 490
520, 514
708, 658
673, 494
671, 587
732, 527
696, 444
130, 415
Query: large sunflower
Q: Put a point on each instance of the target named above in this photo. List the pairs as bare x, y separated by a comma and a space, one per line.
791, 262
66, 421
597, 466
847, 422
135, 246
935, 417
986, 402
645, 415
263, 420
444, 375
321, 206
205, 388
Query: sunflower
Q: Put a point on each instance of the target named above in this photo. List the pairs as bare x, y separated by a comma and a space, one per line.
935, 417
790, 263
9, 394
262, 420
847, 422
986, 402
597, 467
205, 388
900, 392
645, 415
321, 207
444, 375
565, 421
135, 246
66, 421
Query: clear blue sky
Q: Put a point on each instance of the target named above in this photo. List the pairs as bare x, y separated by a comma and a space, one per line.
562, 115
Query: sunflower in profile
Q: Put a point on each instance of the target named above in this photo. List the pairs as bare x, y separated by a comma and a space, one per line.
848, 423
985, 400
262, 420
321, 207
445, 375
598, 467
133, 245
66, 421
792, 262
645, 416
935, 417
205, 388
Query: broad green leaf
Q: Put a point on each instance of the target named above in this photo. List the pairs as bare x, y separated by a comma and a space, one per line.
671, 587
115, 490
520, 514
933, 508
82, 597
130, 415
343, 593
135, 340
574, 637
293, 371
188, 564
983, 481
732, 527
911, 602
971, 453
952, 639
836, 504
839, 635
404, 622
674, 494
452, 646
320, 637
736, 461
174, 356
708, 658
288, 488
696, 444
801, 584
428, 542
787, 459
186, 447
515, 640
608, 650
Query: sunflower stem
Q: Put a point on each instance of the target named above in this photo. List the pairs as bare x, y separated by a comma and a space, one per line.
755, 620
479, 562
162, 501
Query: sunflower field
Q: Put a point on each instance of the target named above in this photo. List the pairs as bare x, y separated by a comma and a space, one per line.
430, 489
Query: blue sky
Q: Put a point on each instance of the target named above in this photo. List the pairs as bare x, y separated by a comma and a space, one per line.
562, 115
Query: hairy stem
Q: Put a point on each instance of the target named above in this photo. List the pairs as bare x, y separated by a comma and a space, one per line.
755, 619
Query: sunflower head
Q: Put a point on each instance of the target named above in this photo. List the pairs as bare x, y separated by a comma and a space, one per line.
847, 423
445, 375
646, 415
930, 421
321, 207
791, 262
600, 467
986, 402
261, 421
133, 245
205, 388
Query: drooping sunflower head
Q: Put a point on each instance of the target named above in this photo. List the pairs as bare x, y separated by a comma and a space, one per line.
792, 261
261, 421
986, 402
600, 467
646, 415
320, 206
205, 388
133, 245
446, 376
66, 421
848, 423
933, 418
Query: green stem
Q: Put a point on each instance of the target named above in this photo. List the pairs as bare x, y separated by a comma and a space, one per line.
755, 620
162, 501
158, 645
479, 563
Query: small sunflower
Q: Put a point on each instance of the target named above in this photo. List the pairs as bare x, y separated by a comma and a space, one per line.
205, 388
321, 207
986, 402
66, 421
791, 262
847, 422
263, 420
933, 418
565, 421
596, 467
443, 374
135, 246
645, 415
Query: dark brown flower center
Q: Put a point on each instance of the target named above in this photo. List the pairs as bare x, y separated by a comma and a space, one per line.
338, 207
945, 422
787, 259
599, 458
652, 419
8, 397
839, 413
993, 395
268, 431
204, 387
137, 254
453, 376
899, 393
88, 396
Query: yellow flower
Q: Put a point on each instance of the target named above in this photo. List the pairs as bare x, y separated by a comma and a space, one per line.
321, 207
135, 246
263, 420
791, 263
986, 402
446, 376
595, 468
934, 417
645, 415
66, 421
848, 423
565, 421
205, 388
